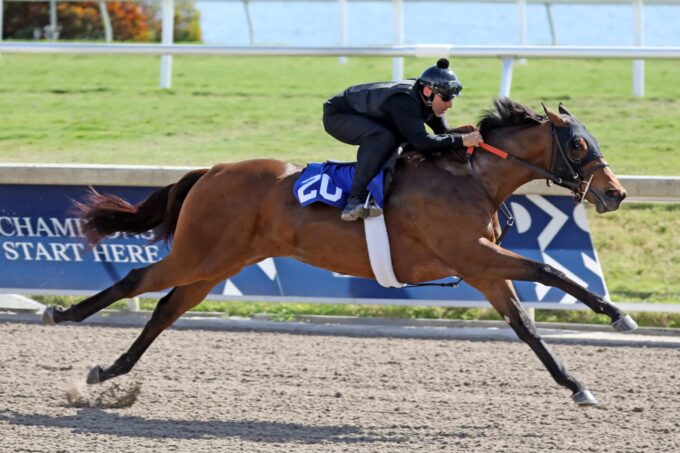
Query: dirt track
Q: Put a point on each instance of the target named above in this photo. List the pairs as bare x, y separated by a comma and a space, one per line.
263, 392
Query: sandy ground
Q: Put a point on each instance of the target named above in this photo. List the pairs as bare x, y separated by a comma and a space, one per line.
212, 391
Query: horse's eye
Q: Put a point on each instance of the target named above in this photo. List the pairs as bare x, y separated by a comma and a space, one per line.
578, 149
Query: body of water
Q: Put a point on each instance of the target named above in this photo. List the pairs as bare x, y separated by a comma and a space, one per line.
371, 23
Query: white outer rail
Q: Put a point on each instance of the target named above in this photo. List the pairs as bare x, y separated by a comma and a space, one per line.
168, 7
416, 50
508, 54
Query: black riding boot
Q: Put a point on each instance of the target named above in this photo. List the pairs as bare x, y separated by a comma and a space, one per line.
376, 144
369, 163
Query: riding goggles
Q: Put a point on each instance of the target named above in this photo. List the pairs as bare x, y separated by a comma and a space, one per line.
448, 91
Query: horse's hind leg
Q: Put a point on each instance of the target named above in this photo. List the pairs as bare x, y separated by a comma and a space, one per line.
78, 312
156, 277
168, 310
503, 297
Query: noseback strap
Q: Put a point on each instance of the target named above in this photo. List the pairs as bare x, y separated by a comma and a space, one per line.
594, 168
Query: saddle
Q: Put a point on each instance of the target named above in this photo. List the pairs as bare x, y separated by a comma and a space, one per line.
330, 182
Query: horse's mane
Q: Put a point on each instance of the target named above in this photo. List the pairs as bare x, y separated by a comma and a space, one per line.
507, 112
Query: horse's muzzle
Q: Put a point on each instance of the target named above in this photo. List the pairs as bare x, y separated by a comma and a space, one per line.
609, 200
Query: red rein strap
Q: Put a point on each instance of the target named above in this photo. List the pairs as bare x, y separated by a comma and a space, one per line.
492, 149
509, 157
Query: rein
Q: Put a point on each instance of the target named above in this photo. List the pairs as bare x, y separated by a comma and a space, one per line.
579, 184
512, 158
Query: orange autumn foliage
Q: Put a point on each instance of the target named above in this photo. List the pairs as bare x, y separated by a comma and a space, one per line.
82, 20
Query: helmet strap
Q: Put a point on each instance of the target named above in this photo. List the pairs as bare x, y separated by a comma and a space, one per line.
428, 99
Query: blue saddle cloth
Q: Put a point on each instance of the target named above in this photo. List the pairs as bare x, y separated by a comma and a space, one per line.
330, 183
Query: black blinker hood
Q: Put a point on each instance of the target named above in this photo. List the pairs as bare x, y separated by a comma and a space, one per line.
564, 165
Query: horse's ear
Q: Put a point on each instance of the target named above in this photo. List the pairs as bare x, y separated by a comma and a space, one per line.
564, 110
555, 118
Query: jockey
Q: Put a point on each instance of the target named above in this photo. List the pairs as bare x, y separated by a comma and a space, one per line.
380, 116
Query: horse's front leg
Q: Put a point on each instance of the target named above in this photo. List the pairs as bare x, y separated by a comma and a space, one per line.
621, 322
504, 264
502, 295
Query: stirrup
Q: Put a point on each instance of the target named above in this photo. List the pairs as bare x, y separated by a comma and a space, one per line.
373, 209
354, 210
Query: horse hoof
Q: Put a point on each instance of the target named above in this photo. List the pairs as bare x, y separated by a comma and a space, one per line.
584, 398
48, 316
95, 375
625, 324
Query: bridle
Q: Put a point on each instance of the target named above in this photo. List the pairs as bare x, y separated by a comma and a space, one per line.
565, 170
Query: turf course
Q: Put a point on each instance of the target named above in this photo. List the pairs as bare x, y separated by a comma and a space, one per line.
109, 110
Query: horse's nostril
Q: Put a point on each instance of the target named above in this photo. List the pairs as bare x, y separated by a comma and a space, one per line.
614, 193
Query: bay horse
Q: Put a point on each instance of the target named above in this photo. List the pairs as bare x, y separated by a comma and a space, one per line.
441, 215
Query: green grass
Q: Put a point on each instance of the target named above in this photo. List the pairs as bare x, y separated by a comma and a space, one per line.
639, 248
106, 109
109, 110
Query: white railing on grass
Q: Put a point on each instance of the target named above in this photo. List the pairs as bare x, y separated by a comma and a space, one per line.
508, 54
167, 15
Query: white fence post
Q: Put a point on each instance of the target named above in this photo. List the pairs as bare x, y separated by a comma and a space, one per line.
2, 6
639, 65
342, 4
398, 62
551, 23
133, 304
53, 21
168, 27
522, 8
249, 20
106, 21
506, 77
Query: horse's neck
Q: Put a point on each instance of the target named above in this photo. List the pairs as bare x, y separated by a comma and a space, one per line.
503, 177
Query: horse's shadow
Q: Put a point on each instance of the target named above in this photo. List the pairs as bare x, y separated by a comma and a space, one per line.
97, 421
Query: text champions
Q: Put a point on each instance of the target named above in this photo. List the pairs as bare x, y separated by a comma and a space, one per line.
62, 239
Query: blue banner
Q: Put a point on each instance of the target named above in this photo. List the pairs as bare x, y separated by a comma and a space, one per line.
42, 251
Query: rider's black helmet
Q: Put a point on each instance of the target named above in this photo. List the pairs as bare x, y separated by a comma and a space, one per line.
442, 80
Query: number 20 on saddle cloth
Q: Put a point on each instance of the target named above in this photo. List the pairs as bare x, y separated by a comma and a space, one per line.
330, 183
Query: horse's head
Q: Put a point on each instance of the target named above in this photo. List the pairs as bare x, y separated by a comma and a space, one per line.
578, 163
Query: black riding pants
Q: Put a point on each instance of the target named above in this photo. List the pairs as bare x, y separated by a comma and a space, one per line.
376, 144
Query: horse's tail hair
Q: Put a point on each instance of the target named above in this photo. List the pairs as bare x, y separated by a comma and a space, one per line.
105, 214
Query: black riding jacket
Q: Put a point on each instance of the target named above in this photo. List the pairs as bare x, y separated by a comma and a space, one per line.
399, 106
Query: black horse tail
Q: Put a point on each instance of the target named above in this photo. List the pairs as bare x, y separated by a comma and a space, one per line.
103, 215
